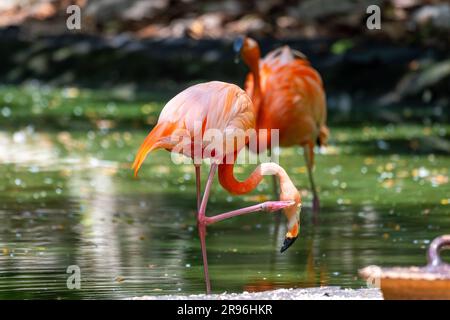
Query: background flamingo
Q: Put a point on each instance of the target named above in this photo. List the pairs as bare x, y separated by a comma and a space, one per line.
288, 95
223, 106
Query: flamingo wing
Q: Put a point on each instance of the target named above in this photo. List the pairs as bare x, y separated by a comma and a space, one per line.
213, 105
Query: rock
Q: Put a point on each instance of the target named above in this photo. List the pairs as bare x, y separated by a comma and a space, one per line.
417, 81
248, 24
438, 16
144, 9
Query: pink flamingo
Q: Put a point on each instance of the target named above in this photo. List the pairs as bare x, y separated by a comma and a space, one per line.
225, 107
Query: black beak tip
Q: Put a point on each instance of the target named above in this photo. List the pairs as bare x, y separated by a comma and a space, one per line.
238, 44
287, 243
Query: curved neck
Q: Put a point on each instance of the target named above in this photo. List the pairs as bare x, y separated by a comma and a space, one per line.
256, 97
288, 192
252, 61
229, 182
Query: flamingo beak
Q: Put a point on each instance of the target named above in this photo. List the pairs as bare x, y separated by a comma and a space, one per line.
237, 47
287, 243
291, 236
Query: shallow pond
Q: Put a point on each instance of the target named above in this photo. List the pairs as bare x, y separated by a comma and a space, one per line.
68, 197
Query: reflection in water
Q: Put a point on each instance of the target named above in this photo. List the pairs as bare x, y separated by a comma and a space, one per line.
98, 197
25, 147
80, 205
316, 273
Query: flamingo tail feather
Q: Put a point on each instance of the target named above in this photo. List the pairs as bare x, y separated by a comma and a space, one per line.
154, 140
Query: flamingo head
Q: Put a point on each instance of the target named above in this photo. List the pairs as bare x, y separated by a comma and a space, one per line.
290, 195
248, 49
292, 213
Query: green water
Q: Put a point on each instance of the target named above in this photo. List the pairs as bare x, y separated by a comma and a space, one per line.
68, 197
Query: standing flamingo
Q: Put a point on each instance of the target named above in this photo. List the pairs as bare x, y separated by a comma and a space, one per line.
288, 95
227, 108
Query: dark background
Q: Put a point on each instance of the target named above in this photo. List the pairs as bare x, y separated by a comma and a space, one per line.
165, 44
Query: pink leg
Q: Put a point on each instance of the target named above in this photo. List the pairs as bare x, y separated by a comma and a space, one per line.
203, 221
270, 206
198, 183
309, 165
201, 225
212, 172
202, 234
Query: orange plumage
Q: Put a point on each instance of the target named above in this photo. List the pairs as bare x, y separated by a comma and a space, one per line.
288, 95
292, 98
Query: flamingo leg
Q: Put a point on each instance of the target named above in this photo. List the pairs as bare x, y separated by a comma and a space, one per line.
201, 225
276, 194
276, 190
202, 234
203, 220
309, 154
198, 183
269, 206
202, 210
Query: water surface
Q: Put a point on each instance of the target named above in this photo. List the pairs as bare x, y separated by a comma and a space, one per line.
68, 197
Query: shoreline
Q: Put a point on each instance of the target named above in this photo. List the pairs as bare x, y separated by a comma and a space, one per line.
320, 293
